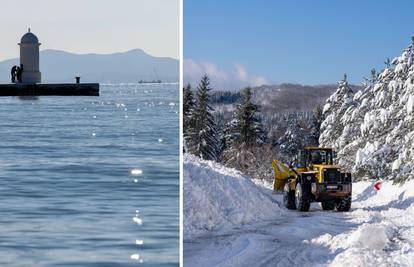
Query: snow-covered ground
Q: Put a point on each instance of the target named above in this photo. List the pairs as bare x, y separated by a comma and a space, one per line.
218, 199
229, 221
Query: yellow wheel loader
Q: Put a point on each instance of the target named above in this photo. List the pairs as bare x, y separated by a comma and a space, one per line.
313, 177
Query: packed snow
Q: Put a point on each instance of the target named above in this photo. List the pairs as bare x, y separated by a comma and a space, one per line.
231, 221
384, 228
217, 198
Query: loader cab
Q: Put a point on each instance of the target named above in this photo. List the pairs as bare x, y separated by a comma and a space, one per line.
315, 156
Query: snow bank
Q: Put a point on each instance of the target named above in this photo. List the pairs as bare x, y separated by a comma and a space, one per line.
384, 235
218, 198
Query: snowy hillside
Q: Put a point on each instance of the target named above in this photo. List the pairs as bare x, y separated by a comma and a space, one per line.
218, 198
373, 129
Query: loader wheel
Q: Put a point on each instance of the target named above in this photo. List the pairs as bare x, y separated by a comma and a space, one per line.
328, 205
288, 197
302, 201
343, 204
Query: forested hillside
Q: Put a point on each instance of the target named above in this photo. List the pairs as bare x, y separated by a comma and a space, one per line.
254, 125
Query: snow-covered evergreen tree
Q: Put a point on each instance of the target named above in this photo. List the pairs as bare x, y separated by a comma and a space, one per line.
229, 135
244, 135
293, 139
247, 125
188, 101
336, 106
312, 138
188, 118
377, 136
373, 78
203, 138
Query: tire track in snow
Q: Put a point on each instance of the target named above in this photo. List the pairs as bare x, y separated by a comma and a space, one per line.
271, 243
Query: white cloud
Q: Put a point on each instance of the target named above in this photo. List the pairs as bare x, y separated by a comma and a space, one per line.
258, 80
241, 72
236, 78
213, 72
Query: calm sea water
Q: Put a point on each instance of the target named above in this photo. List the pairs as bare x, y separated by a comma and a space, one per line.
91, 181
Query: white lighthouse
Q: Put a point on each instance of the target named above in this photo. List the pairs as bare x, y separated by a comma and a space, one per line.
29, 58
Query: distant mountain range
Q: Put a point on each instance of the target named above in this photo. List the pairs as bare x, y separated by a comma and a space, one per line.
130, 66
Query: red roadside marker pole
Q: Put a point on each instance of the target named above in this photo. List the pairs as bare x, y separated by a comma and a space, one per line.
377, 185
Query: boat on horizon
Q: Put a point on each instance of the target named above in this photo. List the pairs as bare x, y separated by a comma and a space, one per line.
153, 81
158, 80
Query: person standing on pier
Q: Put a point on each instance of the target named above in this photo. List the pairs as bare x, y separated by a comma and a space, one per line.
19, 71
13, 74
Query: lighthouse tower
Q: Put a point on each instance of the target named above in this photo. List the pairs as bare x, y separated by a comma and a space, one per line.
29, 58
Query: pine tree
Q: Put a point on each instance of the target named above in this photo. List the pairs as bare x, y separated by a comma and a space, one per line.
315, 127
374, 133
188, 101
204, 140
373, 78
247, 124
229, 134
293, 139
335, 107
387, 63
188, 118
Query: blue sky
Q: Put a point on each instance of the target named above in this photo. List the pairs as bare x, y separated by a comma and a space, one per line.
311, 42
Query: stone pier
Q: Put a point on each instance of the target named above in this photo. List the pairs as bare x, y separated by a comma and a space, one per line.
50, 89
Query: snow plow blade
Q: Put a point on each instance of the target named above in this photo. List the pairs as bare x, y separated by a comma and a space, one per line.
282, 174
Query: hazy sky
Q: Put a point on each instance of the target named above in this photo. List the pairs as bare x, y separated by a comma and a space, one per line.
273, 41
92, 26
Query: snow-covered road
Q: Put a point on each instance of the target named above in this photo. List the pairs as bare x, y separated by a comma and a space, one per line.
379, 231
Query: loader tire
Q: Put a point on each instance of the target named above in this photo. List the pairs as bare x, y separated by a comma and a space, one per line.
302, 200
343, 204
328, 205
288, 197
